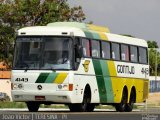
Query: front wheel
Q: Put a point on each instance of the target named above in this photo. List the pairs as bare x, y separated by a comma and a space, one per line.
80, 107
33, 106
85, 106
90, 107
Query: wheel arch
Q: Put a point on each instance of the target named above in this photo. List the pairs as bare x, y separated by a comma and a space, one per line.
87, 89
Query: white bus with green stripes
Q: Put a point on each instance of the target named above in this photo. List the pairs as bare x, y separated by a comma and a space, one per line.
79, 65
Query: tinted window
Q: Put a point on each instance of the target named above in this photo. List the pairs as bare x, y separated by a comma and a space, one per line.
106, 50
95, 48
125, 52
133, 54
86, 47
115, 51
43, 53
142, 55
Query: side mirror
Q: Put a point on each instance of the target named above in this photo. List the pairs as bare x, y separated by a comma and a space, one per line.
78, 54
78, 51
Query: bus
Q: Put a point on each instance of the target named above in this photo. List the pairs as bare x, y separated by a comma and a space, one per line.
79, 65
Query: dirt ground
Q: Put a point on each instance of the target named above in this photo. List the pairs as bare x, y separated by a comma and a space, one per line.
154, 99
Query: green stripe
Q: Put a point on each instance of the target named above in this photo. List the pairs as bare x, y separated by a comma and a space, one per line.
51, 77
100, 81
96, 36
92, 35
42, 77
105, 70
103, 81
88, 34
107, 81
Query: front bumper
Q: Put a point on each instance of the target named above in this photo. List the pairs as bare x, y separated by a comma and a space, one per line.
56, 97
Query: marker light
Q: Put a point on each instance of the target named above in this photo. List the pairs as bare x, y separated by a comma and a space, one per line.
17, 86
65, 87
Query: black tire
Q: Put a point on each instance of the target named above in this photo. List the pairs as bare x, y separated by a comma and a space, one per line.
120, 107
73, 107
90, 107
129, 106
85, 106
33, 106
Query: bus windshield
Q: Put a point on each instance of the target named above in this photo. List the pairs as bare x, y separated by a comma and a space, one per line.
44, 53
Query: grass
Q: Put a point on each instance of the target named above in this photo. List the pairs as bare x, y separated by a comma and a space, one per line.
12, 105
104, 107
23, 105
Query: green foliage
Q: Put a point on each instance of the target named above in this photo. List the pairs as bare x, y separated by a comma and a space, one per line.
15, 14
152, 44
23, 105
154, 55
12, 105
6, 43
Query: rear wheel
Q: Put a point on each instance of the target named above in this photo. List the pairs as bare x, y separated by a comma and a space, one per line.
33, 106
129, 106
120, 107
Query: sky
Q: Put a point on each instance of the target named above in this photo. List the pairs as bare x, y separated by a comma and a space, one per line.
139, 18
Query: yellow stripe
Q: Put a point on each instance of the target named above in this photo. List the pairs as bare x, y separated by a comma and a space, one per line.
60, 78
112, 68
112, 72
103, 36
98, 28
118, 84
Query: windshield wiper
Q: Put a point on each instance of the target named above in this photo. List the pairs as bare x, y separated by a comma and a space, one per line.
52, 68
24, 65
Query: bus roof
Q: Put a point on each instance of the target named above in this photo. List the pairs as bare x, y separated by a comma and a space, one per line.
82, 30
83, 26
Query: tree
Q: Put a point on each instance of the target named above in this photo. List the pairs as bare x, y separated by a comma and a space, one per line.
6, 45
15, 14
154, 57
152, 44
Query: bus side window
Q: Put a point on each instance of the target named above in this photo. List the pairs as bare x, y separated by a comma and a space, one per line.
95, 53
106, 50
95, 49
84, 51
86, 47
113, 55
132, 57
142, 55
115, 51
134, 54
124, 52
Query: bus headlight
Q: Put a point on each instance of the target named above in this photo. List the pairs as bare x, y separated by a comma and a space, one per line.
16, 86
65, 87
